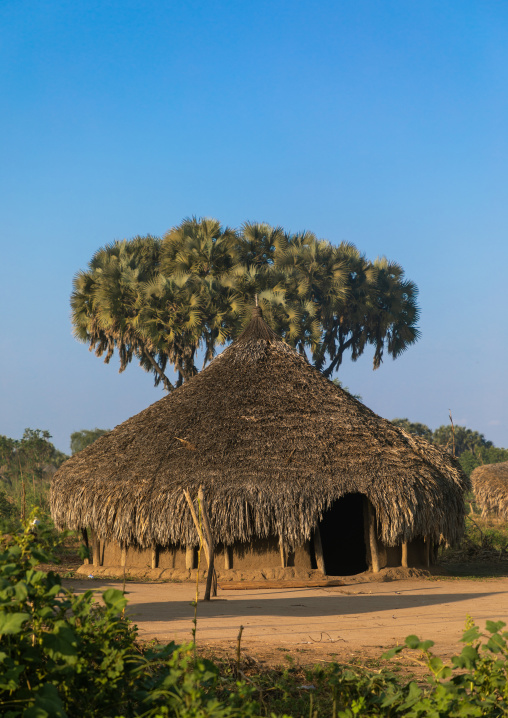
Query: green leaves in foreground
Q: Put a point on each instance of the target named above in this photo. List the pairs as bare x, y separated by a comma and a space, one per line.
65, 655
475, 684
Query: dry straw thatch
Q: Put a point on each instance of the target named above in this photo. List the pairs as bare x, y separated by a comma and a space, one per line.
490, 486
274, 443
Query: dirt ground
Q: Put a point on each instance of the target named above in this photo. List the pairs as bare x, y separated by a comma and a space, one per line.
357, 621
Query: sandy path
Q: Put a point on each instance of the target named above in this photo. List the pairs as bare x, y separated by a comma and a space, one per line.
355, 620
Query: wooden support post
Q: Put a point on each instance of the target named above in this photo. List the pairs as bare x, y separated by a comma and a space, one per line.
155, 557
283, 554
228, 557
84, 534
189, 557
373, 538
96, 550
403, 562
318, 549
435, 552
427, 551
366, 535
123, 557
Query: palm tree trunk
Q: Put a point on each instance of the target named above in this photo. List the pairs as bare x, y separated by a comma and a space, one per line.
168, 386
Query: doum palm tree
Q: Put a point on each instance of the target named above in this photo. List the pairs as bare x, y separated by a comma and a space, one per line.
163, 302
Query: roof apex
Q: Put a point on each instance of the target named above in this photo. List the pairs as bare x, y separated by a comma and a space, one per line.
258, 329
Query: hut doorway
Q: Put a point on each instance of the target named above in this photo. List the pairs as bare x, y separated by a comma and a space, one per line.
343, 537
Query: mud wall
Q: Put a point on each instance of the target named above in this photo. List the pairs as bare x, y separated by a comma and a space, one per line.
259, 553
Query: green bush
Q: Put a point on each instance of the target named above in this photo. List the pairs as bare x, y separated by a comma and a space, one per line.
475, 684
61, 655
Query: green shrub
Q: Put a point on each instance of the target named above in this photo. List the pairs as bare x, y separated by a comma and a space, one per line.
475, 684
61, 655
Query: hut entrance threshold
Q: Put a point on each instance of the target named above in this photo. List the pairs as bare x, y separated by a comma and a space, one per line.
343, 537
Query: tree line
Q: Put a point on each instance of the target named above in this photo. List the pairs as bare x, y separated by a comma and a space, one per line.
27, 465
171, 302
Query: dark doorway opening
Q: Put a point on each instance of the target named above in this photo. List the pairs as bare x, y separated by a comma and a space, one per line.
343, 537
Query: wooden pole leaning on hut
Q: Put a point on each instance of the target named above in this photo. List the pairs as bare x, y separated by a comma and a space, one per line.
211, 577
206, 540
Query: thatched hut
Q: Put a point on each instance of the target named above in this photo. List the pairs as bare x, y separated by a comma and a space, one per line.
297, 475
490, 486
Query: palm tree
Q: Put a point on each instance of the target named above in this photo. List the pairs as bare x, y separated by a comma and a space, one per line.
107, 301
163, 301
197, 256
394, 312
313, 275
344, 308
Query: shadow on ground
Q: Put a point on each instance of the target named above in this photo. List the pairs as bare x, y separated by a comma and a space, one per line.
294, 605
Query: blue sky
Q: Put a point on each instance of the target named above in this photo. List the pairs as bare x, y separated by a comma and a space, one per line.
380, 123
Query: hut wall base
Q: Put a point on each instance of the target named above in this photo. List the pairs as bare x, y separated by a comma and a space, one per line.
259, 554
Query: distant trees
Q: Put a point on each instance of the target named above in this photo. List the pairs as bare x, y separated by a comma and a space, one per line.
85, 437
461, 439
160, 301
471, 447
26, 466
31, 456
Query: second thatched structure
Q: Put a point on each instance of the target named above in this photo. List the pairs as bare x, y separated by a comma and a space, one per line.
490, 486
297, 475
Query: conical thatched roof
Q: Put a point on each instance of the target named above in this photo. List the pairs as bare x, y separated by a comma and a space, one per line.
274, 444
490, 486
